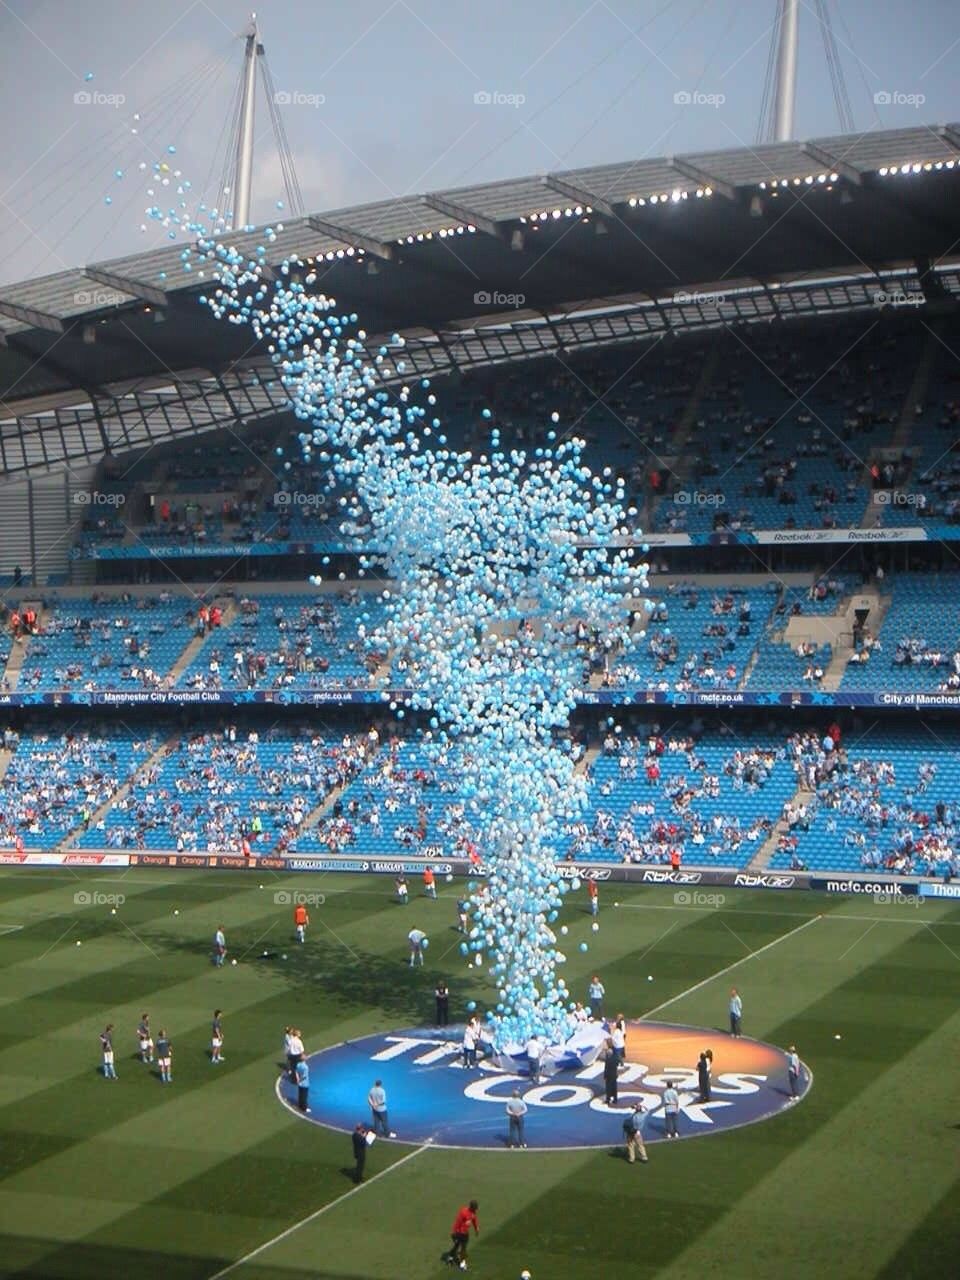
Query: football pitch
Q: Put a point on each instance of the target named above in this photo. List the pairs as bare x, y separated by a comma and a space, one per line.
212, 1176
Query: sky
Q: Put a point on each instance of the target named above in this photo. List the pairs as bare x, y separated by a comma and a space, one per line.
380, 97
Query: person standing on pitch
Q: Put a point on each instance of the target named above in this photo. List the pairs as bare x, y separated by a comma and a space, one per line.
460, 1234
300, 922
377, 1098
516, 1110
462, 907
703, 1077
442, 996
595, 994
360, 1145
793, 1072
145, 1038
164, 1056
611, 1070
470, 1043
219, 947
402, 890
106, 1046
295, 1051
429, 883
633, 1132
594, 894
736, 1011
618, 1034
534, 1058
671, 1109
417, 938
303, 1086
216, 1037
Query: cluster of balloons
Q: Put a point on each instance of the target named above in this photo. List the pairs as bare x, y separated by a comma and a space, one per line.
494, 561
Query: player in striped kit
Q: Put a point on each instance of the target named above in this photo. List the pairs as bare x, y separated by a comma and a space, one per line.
164, 1055
145, 1038
216, 1037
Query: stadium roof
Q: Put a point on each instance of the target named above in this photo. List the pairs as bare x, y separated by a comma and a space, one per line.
657, 240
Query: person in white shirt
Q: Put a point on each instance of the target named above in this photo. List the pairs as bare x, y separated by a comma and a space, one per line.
618, 1034
417, 939
671, 1109
470, 1044
294, 1047
534, 1052
793, 1072
736, 1012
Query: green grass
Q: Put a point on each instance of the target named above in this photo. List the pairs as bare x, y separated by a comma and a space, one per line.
101, 1179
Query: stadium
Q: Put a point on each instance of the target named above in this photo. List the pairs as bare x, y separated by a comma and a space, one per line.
500, 643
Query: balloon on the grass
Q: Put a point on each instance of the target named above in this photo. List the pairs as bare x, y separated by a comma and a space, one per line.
495, 558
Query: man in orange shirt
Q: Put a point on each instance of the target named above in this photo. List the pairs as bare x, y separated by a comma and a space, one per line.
300, 921
594, 897
429, 882
460, 1234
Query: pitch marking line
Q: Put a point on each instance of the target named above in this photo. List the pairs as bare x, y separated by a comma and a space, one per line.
411, 1155
736, 964
10, 928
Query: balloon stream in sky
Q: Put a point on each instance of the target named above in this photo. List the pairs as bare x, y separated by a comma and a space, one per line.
494, 561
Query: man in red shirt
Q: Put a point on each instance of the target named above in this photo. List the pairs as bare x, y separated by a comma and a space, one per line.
460, 1234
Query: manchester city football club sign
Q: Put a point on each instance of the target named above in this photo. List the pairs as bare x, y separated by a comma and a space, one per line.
433, 1097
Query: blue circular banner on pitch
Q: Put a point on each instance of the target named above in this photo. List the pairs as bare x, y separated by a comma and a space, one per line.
433, 1097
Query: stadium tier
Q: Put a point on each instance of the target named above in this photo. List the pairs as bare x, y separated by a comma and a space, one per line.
701, 635
837, 425
686, 794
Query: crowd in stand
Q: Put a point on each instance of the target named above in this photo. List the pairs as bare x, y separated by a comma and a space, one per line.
657, 800
300, 640
712, 666
667, 825
429, 798
57, 782
915, 651
892, 826
231, 791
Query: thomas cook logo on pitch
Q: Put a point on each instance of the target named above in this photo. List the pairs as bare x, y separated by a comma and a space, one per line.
433, 1097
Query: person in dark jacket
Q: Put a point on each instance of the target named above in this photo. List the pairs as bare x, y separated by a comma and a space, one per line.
360, 1145
443, 1004
703, 1075
611, 1068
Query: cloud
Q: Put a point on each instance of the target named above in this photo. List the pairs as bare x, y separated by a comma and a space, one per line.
322, 177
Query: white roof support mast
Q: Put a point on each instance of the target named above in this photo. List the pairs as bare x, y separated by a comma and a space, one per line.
786, 73
248, 98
